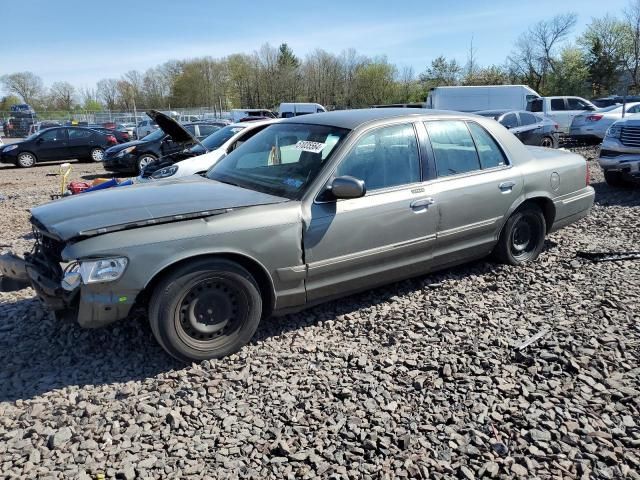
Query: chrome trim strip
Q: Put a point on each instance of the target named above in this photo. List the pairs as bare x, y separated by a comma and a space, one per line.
469, 228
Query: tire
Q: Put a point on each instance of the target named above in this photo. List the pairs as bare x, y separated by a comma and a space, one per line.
144, 160
219, 288
26, 160
522, 237
547, 142
614, 179
96, 155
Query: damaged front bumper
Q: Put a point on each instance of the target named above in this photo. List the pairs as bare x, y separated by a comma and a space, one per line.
92, 306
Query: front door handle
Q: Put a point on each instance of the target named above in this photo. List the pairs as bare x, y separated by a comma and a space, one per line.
422, 203
506, 187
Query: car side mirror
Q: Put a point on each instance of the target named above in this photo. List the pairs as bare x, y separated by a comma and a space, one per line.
168, 138
347, 187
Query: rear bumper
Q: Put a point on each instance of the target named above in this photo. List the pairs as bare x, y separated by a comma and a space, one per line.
573, 207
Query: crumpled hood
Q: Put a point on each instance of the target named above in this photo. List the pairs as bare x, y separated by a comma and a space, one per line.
119, 208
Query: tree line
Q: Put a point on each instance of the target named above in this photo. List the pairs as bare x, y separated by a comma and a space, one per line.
603, 59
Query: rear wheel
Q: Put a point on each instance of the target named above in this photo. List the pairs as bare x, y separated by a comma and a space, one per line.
522, 237
614, 179
144, 160
26, 160
547, 142
96, 154
205, 309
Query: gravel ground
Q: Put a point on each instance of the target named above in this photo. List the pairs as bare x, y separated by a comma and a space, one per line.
416, 380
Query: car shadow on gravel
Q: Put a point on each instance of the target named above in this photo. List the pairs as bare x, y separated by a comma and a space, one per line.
608, 196
39, 353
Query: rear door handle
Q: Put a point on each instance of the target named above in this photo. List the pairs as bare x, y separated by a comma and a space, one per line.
507, 186
422, 203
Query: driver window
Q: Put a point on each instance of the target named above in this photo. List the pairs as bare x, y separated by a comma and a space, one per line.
244, 138
52, 135
386, 157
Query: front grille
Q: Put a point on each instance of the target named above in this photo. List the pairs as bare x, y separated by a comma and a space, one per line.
630, 136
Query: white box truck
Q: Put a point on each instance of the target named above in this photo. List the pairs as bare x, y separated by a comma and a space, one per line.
473, 99
288, 110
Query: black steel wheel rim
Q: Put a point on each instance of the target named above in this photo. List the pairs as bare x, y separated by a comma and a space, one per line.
524, 236
211, 310
547, 142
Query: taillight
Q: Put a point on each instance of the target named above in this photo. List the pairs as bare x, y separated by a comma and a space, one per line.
594, 118
111, 139
556, 126
588, 179
125, 136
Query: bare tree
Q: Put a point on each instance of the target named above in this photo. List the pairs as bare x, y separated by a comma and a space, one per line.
62, 95
536, 50
26, 85
108, 92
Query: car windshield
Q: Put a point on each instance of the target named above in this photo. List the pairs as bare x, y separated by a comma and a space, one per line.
216, 139
153, 136
281, 160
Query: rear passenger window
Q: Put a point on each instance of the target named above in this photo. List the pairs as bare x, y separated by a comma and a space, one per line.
528, 119
453, 147
510, 120
557, 104
386, 157
490, 154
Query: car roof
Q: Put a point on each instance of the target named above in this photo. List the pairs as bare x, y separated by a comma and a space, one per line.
254, 123
351, 119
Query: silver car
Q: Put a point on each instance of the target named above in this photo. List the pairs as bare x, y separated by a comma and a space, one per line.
594, 125
309, 209
619, 154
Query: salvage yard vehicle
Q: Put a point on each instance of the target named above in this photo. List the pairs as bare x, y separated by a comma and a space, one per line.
531, 129
619, 154
562, 110
60, 143
134, 157
196, 160
475, 98
311, 208
594, 125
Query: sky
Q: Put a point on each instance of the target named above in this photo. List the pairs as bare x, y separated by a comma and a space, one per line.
84, 41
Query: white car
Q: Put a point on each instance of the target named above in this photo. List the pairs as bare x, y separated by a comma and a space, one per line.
219, 144
145, 127
594, 125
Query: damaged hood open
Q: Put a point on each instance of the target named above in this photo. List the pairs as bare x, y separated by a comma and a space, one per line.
121, 208
171, 127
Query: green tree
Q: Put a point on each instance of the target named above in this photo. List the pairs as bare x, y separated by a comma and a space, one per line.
570, 75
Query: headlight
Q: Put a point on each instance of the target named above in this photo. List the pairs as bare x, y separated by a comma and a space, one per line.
124, 152
614, 131
105, 270
9, 148
165, 172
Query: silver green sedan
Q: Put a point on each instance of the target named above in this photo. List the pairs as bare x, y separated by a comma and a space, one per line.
309, 209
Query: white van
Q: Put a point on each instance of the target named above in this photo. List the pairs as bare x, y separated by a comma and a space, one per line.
473, 99
288, 110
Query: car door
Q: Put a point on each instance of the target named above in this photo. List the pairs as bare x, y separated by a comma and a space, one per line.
52, 145
529, 129
558, 113
475, 187
81, 141
387, 234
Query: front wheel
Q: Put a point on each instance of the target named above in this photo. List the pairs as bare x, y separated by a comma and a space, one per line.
205, 309
144, 160
522, 237
26, 160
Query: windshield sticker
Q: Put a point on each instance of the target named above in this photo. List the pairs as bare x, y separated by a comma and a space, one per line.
307, 146
292, 182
